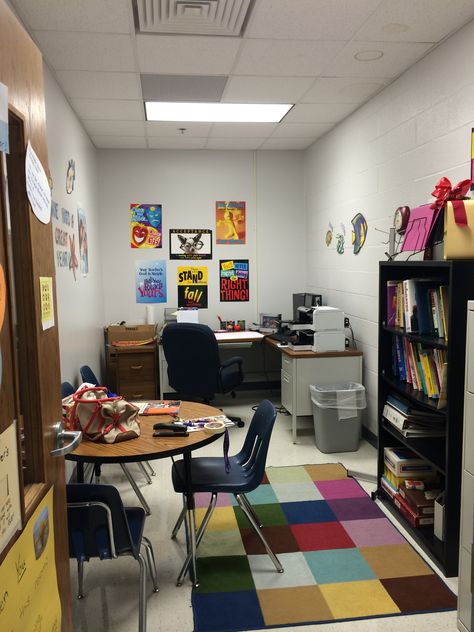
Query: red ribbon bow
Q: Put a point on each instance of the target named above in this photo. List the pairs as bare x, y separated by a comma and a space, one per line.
444, 191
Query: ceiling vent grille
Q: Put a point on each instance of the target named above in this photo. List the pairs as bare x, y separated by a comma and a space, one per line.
193, 17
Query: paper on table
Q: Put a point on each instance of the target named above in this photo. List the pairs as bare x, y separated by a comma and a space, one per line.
421, 222
238, 335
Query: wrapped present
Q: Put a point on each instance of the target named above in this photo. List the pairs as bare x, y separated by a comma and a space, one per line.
458, 218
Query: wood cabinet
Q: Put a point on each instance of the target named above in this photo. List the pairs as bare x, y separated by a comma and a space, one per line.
136, 372
443, 453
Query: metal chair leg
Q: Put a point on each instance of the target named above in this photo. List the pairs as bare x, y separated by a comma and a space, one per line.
257, 530
251, 510
80, 580
199, 534
132, 482
145, 473
142, 595
178, 524
150, 468
151, 562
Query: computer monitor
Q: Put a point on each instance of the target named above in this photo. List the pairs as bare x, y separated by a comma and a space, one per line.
305, 299
312, 300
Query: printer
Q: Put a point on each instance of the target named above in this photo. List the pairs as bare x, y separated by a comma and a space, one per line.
328, 329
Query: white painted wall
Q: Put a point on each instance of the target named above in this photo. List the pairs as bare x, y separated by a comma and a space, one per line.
389, 153
80, 301
187, 184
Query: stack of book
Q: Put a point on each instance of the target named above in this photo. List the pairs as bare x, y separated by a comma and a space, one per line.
418, 306
410, 421
405, 474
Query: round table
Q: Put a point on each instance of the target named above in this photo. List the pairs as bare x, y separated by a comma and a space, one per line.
146, 448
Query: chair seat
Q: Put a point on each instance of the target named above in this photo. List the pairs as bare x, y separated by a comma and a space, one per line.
209, 475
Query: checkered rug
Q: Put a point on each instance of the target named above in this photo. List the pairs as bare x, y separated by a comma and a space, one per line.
342, 558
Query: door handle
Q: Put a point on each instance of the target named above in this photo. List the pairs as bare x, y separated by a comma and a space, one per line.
74, 437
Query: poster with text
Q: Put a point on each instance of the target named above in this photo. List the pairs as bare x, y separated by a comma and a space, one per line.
150, 281
83, 252
145, 226
190, 243
230, 222
234, 280
192, 286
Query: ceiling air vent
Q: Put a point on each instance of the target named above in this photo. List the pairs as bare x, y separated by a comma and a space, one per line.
193, 17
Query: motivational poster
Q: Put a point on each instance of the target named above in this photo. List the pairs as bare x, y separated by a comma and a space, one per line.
190, 243
64, 238
192, 286
234, 280
83, 251
230, 223
145, 226
150, 281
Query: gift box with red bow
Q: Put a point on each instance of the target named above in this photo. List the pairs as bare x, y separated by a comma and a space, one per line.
458, 218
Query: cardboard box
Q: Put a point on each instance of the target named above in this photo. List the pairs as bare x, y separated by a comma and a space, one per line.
129, 332
458, 238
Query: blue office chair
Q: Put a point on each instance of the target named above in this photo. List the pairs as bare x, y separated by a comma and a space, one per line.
67, 389
100, 526
247, 469
195, 369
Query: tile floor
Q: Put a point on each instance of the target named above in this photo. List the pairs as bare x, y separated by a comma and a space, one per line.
112, 586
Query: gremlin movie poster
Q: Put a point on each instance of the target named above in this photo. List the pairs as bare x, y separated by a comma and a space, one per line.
234, 280
192, 286
145, 226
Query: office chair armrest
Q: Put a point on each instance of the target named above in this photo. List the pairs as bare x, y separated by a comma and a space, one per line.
230, 361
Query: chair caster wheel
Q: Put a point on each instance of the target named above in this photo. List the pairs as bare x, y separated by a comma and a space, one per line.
282, 570
80, 596
156, 590
179, 583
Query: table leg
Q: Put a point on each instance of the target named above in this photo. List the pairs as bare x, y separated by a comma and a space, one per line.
293, 424
80, 472
191, 518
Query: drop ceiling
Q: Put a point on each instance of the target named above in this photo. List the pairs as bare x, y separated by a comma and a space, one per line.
108, 54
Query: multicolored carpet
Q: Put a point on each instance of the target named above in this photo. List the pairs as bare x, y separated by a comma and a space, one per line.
342, 558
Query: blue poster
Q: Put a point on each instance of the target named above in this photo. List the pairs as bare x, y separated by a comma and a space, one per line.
150, 281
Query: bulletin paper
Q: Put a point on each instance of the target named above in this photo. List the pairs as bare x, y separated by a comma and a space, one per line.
10, 516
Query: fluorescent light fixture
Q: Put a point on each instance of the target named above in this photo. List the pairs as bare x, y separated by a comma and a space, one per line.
216, 112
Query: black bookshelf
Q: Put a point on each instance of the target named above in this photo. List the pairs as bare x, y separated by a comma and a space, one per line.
444, 453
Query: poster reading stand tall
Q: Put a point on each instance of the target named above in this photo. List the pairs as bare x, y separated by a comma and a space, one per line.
192, 287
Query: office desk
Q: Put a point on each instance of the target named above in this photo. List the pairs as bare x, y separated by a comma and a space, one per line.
146, 448
236, 342
299, 369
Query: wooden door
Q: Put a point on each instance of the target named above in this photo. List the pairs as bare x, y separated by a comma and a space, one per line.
30, 383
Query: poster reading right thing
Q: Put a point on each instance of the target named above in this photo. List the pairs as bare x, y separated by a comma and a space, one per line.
230, 223
234, 280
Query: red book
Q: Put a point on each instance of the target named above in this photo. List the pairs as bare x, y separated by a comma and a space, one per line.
164, 407
421, 502
412, 517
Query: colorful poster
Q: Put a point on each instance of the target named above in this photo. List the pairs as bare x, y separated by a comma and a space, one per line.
47, 306
29, 598
64, 238
4, 144
190, 243
234, 280
150, 281
145, 226
10, 511
83, 253
192, 286
230, 222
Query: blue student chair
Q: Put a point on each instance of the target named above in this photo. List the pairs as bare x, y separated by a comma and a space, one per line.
88, 375
247, 469
67, 389
101, 527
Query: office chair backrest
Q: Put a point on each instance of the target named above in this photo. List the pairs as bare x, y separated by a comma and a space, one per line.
67, 389
88, 375
253, 455
90, 525
193, 359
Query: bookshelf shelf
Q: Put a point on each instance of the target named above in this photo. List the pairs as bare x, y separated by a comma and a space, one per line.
444, 453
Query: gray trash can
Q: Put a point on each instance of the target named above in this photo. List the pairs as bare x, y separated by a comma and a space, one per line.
337, 411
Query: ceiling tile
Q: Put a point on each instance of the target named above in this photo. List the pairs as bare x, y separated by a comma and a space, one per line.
104, 109
420, 21
343, 90
242, 89
168, 129
99, 85
301, 130
119, 142
186, 55
309, 19
244, 130
396, 58
86, 51
202, 88
287, 143
106, 16
235, 143
294, 58
179, 142
319, 112
114, 128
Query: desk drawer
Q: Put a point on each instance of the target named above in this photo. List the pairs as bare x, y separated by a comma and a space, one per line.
136, 367
469, 432
138, 390
288, 365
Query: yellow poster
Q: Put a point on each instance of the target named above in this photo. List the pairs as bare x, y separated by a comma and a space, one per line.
46, 296
29, 597
192, 287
